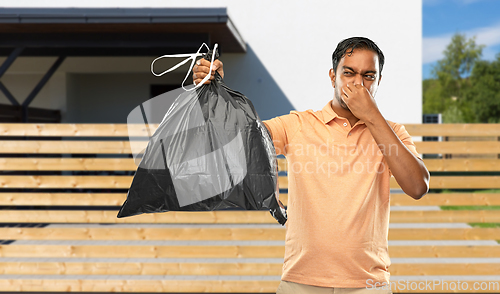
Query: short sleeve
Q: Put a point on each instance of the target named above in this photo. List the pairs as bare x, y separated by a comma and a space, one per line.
282, 129
403, 135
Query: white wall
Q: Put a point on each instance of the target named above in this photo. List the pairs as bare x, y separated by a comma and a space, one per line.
294, 40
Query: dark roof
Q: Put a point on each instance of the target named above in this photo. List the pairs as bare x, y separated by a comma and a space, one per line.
116, 31
113, 15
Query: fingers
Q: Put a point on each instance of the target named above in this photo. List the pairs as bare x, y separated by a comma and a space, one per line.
351, 88
202, 69
219, 67
197, 78
346, 91
204, 65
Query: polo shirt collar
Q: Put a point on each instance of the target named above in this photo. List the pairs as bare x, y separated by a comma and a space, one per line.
328, 113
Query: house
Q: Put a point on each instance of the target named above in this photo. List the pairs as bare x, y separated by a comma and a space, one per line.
92, 65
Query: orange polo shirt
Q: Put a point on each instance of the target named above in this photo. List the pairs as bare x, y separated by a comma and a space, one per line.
338, 199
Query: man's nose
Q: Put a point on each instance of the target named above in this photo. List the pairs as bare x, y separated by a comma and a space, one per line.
358, 80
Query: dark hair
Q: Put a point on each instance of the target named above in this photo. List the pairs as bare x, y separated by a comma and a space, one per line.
345, 47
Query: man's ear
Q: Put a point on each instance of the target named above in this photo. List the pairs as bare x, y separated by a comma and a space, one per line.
331, 73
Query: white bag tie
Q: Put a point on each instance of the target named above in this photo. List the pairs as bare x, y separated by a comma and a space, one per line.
191, 57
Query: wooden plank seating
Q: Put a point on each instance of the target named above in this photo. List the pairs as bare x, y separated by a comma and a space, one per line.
62, 184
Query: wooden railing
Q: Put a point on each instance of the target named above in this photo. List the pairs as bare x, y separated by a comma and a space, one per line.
62, 185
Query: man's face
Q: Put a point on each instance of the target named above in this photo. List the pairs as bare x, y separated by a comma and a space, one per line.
361, 67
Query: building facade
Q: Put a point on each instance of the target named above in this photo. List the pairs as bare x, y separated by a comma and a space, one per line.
277, 53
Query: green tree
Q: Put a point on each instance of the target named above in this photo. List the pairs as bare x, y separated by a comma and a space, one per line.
484, 92
432, 93
446, 92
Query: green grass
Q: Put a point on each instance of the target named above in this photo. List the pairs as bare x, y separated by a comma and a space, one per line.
447, 191
470, 207
471, 191
485, 225
488, 191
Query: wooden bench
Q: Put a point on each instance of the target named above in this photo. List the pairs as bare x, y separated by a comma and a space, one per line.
62, 186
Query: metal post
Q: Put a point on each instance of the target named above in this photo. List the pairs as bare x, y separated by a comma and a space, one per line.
39, 86
3, 68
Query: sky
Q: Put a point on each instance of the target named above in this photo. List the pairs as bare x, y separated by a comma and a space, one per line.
443, 18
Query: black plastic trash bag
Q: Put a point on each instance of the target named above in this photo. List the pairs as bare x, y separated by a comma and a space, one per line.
210, 152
